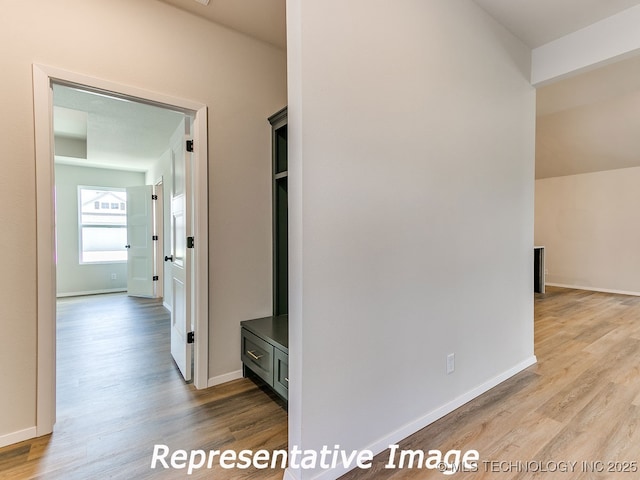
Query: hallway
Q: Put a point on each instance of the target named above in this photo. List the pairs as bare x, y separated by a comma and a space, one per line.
119, 394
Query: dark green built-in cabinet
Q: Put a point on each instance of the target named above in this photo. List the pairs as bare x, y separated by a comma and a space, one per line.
280, 214
265, 341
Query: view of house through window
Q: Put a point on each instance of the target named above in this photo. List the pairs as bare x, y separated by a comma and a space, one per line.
102, 221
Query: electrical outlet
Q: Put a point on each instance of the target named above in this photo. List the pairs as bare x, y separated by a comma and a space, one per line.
114, 276
451, 363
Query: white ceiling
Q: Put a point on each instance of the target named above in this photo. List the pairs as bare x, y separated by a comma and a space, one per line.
537, 22
261, 19
119, 134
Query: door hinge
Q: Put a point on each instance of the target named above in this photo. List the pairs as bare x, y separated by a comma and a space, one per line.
155, 278
154, 197
154, 238
190, 242
189, 145
190, 337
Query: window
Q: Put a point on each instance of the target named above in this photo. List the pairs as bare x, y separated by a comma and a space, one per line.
102, 222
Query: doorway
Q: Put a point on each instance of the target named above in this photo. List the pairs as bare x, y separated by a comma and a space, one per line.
44, 79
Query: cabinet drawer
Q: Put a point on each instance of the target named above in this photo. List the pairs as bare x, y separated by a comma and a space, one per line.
281, 373
257, 355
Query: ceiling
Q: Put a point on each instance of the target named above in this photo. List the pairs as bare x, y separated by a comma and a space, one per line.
537, 22
585, 123
261, 19
590, 122
119, 134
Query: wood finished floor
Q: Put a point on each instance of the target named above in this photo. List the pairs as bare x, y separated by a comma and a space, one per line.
119, 394
581, 402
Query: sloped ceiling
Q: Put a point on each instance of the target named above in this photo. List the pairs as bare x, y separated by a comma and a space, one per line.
264, 20
590, 122
537, 22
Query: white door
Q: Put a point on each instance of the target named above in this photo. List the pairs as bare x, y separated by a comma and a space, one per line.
140, 258
179, 261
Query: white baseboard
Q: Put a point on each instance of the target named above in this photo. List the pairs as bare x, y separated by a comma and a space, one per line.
15, 437
90, 292
288, 475
594, 289
419, 423
167, 306
227, 377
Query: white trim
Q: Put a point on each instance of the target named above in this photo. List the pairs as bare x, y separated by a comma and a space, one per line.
167, 306
43, 76
288, 475
91, 292
200, 174
419, 423
46, 270
19, 436
227, 377
593, 289
81, 225
145, 96
295, 222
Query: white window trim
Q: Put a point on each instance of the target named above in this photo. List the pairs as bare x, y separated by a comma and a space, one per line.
81, 225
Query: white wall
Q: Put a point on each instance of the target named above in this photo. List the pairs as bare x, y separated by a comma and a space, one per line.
71, 276
588, 225
411, 173
152, 45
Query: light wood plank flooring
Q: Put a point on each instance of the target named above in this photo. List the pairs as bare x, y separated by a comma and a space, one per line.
581, 402
119, 394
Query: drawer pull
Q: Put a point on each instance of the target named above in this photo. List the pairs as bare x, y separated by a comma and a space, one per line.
253, 355
286, 379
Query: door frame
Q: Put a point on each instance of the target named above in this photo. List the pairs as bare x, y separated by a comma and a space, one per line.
43, 79
158, 227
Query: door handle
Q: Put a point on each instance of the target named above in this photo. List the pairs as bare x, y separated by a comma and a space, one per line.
168, 258
127, 246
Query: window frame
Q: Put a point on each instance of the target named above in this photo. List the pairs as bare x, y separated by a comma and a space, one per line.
82, 226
